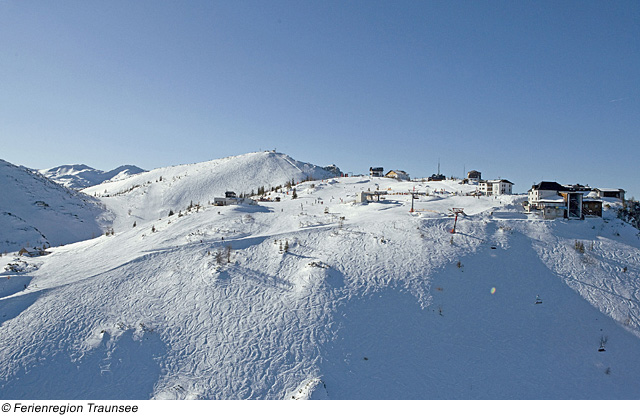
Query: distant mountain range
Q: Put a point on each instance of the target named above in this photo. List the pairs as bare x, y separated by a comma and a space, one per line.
81, 176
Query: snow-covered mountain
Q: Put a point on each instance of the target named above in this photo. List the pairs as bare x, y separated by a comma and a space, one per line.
82, 176
35, 211
319, 296
151, 195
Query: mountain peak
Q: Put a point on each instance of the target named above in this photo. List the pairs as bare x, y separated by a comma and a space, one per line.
156, 192
80, 176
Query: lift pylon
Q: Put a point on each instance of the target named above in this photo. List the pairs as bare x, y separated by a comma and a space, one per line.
456, 211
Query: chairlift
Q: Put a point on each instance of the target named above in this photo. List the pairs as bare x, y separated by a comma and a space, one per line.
603, 341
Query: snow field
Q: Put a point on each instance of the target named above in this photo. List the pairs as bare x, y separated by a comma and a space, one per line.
320, 297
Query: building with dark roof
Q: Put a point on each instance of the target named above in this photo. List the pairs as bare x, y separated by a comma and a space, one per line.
474, 175
568, 201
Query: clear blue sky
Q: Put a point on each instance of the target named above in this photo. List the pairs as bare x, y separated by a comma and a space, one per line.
523, 90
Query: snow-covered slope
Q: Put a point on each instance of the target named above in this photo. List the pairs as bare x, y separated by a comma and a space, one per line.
151, 195
83, 176
35, 211
320, 297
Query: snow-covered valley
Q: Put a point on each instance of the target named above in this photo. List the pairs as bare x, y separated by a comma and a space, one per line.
321, 297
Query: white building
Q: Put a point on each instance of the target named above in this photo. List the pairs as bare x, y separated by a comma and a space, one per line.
230, 198
367, 196
544, 190
496, 187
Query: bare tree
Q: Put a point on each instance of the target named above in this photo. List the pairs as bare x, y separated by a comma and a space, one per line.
228, 252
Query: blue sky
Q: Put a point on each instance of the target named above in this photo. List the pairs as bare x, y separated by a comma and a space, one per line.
523, 90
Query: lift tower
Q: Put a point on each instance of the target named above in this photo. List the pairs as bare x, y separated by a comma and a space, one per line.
456, 211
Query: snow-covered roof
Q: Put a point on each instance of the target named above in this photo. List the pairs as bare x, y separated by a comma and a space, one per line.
577, 187
609, 189
552, 200
591, 194
401, 174
493, 181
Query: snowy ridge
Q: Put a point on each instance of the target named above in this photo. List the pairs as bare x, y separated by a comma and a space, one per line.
321, 297
35, 211
151, 195
83, 176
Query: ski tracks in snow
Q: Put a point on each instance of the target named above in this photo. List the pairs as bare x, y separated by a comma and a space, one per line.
602, 270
